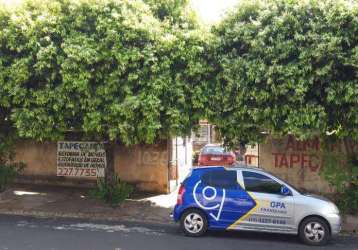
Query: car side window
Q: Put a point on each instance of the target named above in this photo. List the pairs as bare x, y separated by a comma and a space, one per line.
255, 182
220, 178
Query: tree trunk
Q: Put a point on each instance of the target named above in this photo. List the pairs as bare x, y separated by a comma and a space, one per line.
109, 147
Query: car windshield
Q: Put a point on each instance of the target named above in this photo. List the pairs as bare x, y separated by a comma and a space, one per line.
214, 150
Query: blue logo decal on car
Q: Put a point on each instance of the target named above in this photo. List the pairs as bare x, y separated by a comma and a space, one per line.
211, 197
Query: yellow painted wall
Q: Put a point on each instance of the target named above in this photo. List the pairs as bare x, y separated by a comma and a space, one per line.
145, 166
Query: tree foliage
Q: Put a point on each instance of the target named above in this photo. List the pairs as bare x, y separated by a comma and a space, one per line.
136, 71
286, 67
8, 168
108, 68
341, 172
7, 132
174, 12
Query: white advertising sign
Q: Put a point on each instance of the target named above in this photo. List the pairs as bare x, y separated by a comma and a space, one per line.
80, 159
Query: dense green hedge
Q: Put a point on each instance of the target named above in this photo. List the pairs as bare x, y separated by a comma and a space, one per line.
287, 67
108, 68
134, 71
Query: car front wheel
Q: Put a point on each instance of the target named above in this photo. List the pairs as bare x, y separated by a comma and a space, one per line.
193, 223
314, 231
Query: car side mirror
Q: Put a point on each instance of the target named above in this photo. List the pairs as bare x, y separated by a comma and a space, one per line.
285, 191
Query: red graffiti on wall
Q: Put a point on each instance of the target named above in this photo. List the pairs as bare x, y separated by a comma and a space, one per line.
288, 160
307, 153
303, 154
294, 145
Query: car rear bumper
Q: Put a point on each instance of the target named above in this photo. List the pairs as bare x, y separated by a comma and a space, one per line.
175, 215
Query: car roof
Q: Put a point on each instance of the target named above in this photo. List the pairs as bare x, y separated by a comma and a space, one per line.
235, 167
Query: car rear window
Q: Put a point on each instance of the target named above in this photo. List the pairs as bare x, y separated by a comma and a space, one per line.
213, 150
220, 178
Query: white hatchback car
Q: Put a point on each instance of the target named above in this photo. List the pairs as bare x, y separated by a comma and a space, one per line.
243, 198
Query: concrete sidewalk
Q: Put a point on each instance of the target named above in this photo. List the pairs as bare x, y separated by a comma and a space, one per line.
52, 202
45, 201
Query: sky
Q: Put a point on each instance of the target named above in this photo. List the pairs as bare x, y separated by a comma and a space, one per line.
210, 11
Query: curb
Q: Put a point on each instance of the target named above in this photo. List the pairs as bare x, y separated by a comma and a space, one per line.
41, 214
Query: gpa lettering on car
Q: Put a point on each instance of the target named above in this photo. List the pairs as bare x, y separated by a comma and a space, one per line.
243, 198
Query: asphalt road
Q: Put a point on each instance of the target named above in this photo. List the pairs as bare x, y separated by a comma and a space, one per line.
24, 233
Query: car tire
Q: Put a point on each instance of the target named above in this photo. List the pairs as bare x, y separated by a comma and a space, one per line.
314, 231
194, 223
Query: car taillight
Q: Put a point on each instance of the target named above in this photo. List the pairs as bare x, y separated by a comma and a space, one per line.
203, 159
180, 195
